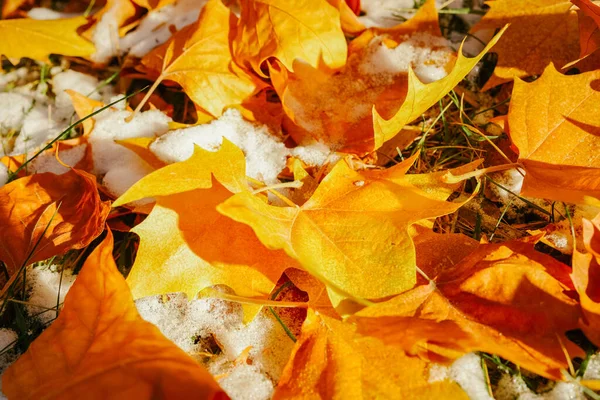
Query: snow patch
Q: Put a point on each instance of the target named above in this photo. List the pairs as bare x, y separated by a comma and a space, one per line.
367, 75
41, 13
265, 153
14, 108
29, 118
38, 127
247, 382
8, 338
425, 53
314, 153
467, 372
119, 166
593, 368
106, 36
48, 287
13, 77
81, 83
512, 387
384, 13
198, 326
47, 162
155, 28
389, 13
511, 179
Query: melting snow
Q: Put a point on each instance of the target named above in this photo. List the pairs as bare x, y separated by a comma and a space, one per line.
155, 28
119, 166
265, 153
198, 325
48, 288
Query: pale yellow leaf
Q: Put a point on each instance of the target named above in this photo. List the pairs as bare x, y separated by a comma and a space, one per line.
420, 96
38, 39
309, 30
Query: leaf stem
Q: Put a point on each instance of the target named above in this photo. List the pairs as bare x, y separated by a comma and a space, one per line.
450, 178
145, 99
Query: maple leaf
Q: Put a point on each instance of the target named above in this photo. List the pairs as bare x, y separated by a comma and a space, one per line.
453, 247
227, 165
541, 32
420, 96
303, 29
331, 361
12, 8
198, 58
311, 97
590, 9
186, 245
45, 215
586, 279
38, 39
354, 222
99, 346
589, 27
506, 299
555, 130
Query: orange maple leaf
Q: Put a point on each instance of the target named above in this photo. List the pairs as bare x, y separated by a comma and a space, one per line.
586, 278
589, 27
506, 299
45, 215
302, 29
332, 361
556, 131
186, 245
99, 347
199, 58
541, 32
354, 222
311, 96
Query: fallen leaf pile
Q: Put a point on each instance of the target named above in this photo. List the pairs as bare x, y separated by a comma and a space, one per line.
394, 199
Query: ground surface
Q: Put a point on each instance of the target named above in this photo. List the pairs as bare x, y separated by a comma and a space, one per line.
250, 359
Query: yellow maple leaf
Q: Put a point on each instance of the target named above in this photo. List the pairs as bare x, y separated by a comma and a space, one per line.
198, 58
421, 96
227, 165
370, 79
352, 234
332, 361
288, 30
100, 347
38, 39
186, 245
541, 32
555, 129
